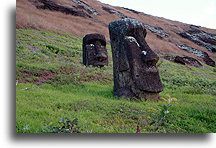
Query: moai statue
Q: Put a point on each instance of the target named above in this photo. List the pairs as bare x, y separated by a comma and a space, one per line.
94, 50
134, 63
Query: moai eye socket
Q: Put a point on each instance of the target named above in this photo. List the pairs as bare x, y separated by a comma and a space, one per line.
132, 39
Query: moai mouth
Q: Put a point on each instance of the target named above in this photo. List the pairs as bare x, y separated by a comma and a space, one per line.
134, 63
94, 50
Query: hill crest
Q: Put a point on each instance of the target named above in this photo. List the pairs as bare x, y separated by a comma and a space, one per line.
90, 16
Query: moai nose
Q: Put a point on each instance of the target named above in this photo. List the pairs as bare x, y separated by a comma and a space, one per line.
101, 56
152, 60
149, 57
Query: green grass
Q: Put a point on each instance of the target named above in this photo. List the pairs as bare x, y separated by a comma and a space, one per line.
53, 84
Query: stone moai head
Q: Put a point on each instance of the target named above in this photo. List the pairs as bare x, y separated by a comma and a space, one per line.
134, 63
94, 50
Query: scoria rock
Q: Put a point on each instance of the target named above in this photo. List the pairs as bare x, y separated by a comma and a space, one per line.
94, 50
134, 63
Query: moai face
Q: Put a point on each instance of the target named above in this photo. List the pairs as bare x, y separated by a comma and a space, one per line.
94, 50
134, 63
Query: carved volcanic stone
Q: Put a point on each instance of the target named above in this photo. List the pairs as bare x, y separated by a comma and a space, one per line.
94, 50
134, 63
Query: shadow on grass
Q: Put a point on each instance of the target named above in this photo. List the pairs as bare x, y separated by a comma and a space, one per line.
114, 137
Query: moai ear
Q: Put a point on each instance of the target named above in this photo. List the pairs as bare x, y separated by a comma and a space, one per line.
123, 61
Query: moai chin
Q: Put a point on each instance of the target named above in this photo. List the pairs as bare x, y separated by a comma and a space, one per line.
94, 50
134, 63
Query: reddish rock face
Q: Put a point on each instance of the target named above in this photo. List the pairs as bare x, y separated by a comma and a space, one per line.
200, 38
134, 63
198, 53
52, 6
94, 50
188, 60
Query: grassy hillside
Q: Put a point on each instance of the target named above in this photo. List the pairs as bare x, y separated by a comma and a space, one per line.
163, 34
56, 93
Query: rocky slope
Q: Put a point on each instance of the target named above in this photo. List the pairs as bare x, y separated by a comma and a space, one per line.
90, 16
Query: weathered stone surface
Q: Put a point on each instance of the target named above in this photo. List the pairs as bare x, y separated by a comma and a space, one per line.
200, 37
134, 11
188, 61
52, 6
94, 50
85, 6
134, 63
112, 11
157, 30
209, 61
198, 53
